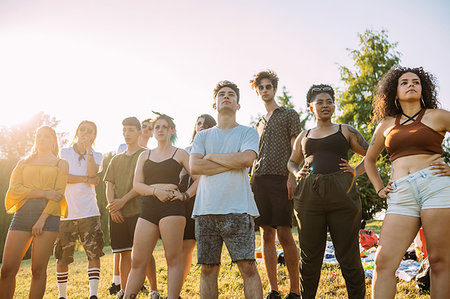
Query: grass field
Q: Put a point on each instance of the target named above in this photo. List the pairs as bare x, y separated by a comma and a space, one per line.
230, 282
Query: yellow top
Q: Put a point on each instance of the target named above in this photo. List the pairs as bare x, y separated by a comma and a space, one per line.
28, 177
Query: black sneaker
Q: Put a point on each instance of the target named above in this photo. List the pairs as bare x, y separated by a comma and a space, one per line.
293, 296
273, 295
114, 288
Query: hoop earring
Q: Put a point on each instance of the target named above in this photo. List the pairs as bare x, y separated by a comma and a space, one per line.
422, 103
397, 105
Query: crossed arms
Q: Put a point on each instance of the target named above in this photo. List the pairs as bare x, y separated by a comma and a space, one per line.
213, 163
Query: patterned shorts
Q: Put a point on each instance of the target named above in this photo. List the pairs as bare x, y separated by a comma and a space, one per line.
236, 230
91, 236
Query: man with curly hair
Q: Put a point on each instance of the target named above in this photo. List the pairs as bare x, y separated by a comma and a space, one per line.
272, 184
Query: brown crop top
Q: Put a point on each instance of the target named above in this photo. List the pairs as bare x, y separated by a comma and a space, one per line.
413, 139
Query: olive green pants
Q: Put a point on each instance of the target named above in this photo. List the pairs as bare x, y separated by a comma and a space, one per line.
329, 202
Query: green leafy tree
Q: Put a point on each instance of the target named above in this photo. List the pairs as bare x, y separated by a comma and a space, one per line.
16, 141
285, 101
374, 57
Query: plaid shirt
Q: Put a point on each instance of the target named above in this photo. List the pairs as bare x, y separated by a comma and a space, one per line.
275, 141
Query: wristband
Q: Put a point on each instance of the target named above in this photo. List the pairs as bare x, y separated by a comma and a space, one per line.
378, 192
185, 196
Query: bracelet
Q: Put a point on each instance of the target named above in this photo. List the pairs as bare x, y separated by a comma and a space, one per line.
185, 196
378, 192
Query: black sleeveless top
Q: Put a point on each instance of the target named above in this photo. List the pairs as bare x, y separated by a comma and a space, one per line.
326, 152
164, 172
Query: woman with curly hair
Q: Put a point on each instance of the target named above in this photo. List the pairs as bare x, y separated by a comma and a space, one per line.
157, 176
412, 129
36, 197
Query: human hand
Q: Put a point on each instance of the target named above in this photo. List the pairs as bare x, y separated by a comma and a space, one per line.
443, 169
177, 195
115, 205
302, 173
53, 194
37, 228
117, 217
291, 184
383, 192
163, 195
345, 167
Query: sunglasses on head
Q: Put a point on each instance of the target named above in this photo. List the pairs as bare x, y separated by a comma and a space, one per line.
267, 87
317, 89
88, 130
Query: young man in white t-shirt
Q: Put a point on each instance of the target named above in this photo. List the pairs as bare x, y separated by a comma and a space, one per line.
224, 207
83, 220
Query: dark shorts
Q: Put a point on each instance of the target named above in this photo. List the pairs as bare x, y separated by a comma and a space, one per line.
122, 234
189, 230
25, 218
91, 236
154, 210
271, 197
236, 230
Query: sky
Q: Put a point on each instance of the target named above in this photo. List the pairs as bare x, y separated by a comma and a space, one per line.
108, 60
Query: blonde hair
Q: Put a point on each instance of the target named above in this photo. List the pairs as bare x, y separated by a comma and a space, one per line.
55, 146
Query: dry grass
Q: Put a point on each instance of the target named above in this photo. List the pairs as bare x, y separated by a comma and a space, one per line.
230, 282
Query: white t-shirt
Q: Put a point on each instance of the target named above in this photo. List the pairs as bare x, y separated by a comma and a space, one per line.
226, 192
81, 197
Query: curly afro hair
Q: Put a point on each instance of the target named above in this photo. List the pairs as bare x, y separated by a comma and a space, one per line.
386, 91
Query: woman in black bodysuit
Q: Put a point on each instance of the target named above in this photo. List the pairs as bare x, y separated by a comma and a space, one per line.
326, 196
157, 177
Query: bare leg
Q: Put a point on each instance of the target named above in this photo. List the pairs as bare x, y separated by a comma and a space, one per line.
40, 254
151, 273
172, 229
125, 266
397, 233
188, 248
291, 257
270, 255
16, 245
146, 235
252, 281
208, 282
436, 224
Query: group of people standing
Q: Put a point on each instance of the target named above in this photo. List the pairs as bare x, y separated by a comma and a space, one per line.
202, 194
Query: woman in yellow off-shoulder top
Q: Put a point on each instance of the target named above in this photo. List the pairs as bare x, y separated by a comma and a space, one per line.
36, 197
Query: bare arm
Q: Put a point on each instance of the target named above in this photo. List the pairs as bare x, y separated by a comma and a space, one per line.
374, 150
291, 183
296, 158
233, 160
199, 165
358, 145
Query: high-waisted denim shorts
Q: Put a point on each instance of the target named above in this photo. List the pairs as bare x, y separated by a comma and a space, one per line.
29, 213
418, 191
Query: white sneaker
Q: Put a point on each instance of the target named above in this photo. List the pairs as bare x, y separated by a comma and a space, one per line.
154, 294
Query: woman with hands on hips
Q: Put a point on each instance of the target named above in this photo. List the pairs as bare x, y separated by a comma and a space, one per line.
412, 129
163, 208
36, 197
326, 196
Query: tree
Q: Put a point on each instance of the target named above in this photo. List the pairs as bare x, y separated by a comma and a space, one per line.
285, 101
374, 57
17, 141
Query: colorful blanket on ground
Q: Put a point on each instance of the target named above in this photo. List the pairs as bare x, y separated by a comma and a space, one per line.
406, 271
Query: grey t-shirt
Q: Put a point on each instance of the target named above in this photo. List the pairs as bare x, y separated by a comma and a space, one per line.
226, 192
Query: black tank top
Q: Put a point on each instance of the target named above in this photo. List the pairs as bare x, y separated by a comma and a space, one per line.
164, 172
326, 152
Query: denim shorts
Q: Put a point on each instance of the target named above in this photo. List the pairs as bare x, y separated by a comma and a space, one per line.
25, 218
236, 230
419, 191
